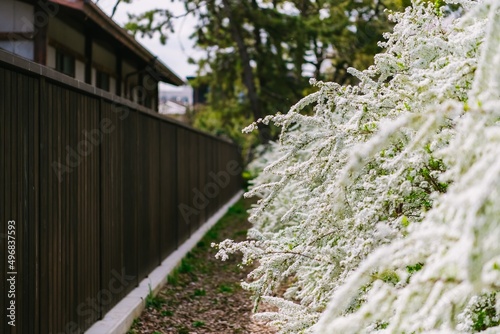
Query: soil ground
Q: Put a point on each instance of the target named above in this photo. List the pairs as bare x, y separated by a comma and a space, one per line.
203, 295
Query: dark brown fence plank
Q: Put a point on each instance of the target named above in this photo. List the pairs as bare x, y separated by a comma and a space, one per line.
184, 205
129, 195
111, 205
30, 235
154, 193
44, 203
168, 189
141, 191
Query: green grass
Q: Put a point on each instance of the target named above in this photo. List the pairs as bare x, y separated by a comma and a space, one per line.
198, 324
167, 313
183, 330
188, 265
199, 292
134, 323
237, 234
192, 262
185, 266
212, 234
226, 288
173, 278
152, 301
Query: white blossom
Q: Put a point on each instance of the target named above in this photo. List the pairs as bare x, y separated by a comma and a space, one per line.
381, 211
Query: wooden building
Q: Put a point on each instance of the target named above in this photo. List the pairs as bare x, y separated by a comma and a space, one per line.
78, 39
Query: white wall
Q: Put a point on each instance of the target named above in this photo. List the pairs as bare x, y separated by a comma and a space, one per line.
17, 17
79, 70
51, 57
93, 77
79, 65
131, 80
112, 85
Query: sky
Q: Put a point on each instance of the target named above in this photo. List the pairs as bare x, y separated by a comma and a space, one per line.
178, 48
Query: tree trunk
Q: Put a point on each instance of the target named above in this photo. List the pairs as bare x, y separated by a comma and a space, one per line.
248, 75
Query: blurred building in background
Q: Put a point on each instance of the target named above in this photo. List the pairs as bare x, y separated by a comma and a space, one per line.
78, 39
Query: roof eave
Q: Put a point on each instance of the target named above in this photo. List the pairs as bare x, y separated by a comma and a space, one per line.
92, 11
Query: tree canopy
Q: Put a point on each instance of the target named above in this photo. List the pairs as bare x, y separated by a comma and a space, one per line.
260, 54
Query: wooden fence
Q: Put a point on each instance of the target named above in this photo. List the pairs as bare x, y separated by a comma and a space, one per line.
101, 190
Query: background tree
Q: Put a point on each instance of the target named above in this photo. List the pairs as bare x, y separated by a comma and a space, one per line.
260, 54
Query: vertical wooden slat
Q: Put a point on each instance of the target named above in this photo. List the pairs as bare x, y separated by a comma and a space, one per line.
18, 160
57, 250
50, 211
74, 198
65, 215
184, 204
129, 195
168, 189
154, 192
43, 303
111, 208
34, 207
141, 200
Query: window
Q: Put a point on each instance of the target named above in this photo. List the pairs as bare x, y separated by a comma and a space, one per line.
102, 80
65, 64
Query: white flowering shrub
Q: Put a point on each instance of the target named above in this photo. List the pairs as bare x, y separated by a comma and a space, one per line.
381, 212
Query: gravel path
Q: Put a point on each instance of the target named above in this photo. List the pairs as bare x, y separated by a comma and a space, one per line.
203, 295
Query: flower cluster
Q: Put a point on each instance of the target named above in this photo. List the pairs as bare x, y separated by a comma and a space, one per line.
381, 211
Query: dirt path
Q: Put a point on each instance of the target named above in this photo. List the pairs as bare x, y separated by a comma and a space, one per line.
203, 294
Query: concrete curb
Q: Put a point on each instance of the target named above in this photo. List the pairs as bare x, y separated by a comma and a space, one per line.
119, 319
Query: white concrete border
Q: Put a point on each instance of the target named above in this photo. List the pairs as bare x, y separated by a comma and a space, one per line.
119, 319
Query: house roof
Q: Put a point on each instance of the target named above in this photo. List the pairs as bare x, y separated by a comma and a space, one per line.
94, 13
